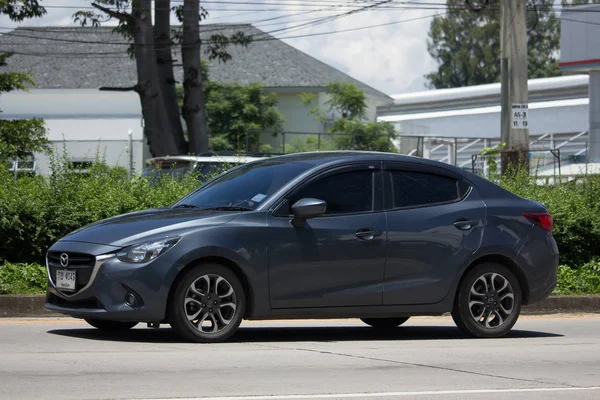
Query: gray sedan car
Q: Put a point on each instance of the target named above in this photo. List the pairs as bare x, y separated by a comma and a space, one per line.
376, 236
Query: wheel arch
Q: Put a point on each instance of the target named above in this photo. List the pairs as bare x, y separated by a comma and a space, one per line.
502, 260
226, 262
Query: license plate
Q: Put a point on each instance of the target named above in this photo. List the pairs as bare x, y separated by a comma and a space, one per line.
65, 279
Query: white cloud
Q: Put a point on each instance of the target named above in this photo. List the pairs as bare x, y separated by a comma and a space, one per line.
392, 58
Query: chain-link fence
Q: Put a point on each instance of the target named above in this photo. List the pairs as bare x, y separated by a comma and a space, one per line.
294, 142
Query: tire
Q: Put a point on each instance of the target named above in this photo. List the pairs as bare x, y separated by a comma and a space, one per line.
223, 308
111, 326
385, 323
497, 310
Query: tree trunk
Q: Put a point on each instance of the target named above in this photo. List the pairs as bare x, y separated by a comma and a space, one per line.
157, 129
194, 110
164, 63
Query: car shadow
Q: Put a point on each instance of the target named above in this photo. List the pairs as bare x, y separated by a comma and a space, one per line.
296, 334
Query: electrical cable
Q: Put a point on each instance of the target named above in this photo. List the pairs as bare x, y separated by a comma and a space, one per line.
78, 54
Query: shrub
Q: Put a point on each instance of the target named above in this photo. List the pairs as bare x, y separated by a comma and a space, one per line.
581, 281
575, 209
22, 278
36, 211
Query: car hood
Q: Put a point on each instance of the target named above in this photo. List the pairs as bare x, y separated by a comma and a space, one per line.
130, 228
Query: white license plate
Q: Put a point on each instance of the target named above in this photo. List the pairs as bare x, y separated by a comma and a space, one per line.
65, 279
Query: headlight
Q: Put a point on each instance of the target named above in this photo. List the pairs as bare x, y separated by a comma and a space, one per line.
142, 253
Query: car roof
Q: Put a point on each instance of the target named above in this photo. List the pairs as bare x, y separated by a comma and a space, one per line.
325, 157
322, 158
209, 159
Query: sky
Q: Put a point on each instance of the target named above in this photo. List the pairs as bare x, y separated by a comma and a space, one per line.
392, 58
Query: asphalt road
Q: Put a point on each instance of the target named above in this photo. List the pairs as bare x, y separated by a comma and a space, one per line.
553, 357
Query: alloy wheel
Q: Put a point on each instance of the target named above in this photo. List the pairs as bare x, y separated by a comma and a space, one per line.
491, 300
210, 303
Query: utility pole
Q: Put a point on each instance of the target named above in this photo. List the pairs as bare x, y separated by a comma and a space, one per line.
514, 93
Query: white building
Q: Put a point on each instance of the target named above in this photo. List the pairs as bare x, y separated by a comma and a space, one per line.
454, 125
71, 64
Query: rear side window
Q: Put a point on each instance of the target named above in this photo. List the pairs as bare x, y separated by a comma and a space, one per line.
347, 192
413, 189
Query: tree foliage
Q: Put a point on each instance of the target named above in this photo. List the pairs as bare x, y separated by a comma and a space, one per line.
466, 44
20, 10
356, 134
347, 99
350, 130
236, 111
13, 80
19, 138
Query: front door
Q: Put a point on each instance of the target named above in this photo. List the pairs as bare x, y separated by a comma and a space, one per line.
337, 259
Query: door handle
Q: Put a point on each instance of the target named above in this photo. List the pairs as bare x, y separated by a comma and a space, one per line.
466, 225
367, 234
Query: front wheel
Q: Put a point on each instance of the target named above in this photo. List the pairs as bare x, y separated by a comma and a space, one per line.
384, 323
111, 326
488, 302
208, 304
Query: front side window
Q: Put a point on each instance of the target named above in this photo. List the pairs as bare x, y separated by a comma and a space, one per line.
347, 192
412, 189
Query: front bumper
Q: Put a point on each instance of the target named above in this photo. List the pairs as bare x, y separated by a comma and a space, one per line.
114, 291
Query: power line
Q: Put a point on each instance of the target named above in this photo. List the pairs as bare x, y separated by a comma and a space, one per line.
78, 54
330, 18
394, 4
290, 28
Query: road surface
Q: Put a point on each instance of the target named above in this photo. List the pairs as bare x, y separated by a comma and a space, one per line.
545, 357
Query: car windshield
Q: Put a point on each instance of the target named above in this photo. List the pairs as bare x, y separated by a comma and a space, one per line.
245, 187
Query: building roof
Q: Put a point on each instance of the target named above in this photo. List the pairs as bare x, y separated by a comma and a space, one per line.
93, 57
539, 90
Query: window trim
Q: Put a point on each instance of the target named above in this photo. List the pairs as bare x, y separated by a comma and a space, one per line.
377, 201
389, 187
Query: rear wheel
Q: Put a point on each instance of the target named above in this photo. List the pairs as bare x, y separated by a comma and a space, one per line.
385, 323
111, 326
208, 304
488, 302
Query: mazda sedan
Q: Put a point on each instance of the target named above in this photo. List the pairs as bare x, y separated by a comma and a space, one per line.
376, 236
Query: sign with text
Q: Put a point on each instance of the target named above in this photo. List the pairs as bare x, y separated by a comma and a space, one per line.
519, 114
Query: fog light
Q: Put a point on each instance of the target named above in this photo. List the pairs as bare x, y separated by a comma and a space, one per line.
130, 299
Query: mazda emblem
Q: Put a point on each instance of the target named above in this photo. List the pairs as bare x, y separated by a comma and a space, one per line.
64, 259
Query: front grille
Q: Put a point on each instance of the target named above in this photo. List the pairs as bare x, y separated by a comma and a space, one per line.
80, 262
75, 259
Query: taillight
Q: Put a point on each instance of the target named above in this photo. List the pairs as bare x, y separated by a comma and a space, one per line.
541, 219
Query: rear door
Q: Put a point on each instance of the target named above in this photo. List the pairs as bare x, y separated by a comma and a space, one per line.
435, 221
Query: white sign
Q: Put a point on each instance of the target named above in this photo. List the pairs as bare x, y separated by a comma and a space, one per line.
519, 114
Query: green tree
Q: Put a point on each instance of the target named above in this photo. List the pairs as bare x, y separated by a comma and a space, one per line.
347, 99
19, 138
350, 130
152, 40
235, 111
466, 44
355, 134
238, 111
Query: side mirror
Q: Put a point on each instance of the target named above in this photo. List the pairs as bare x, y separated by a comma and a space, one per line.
308, 208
